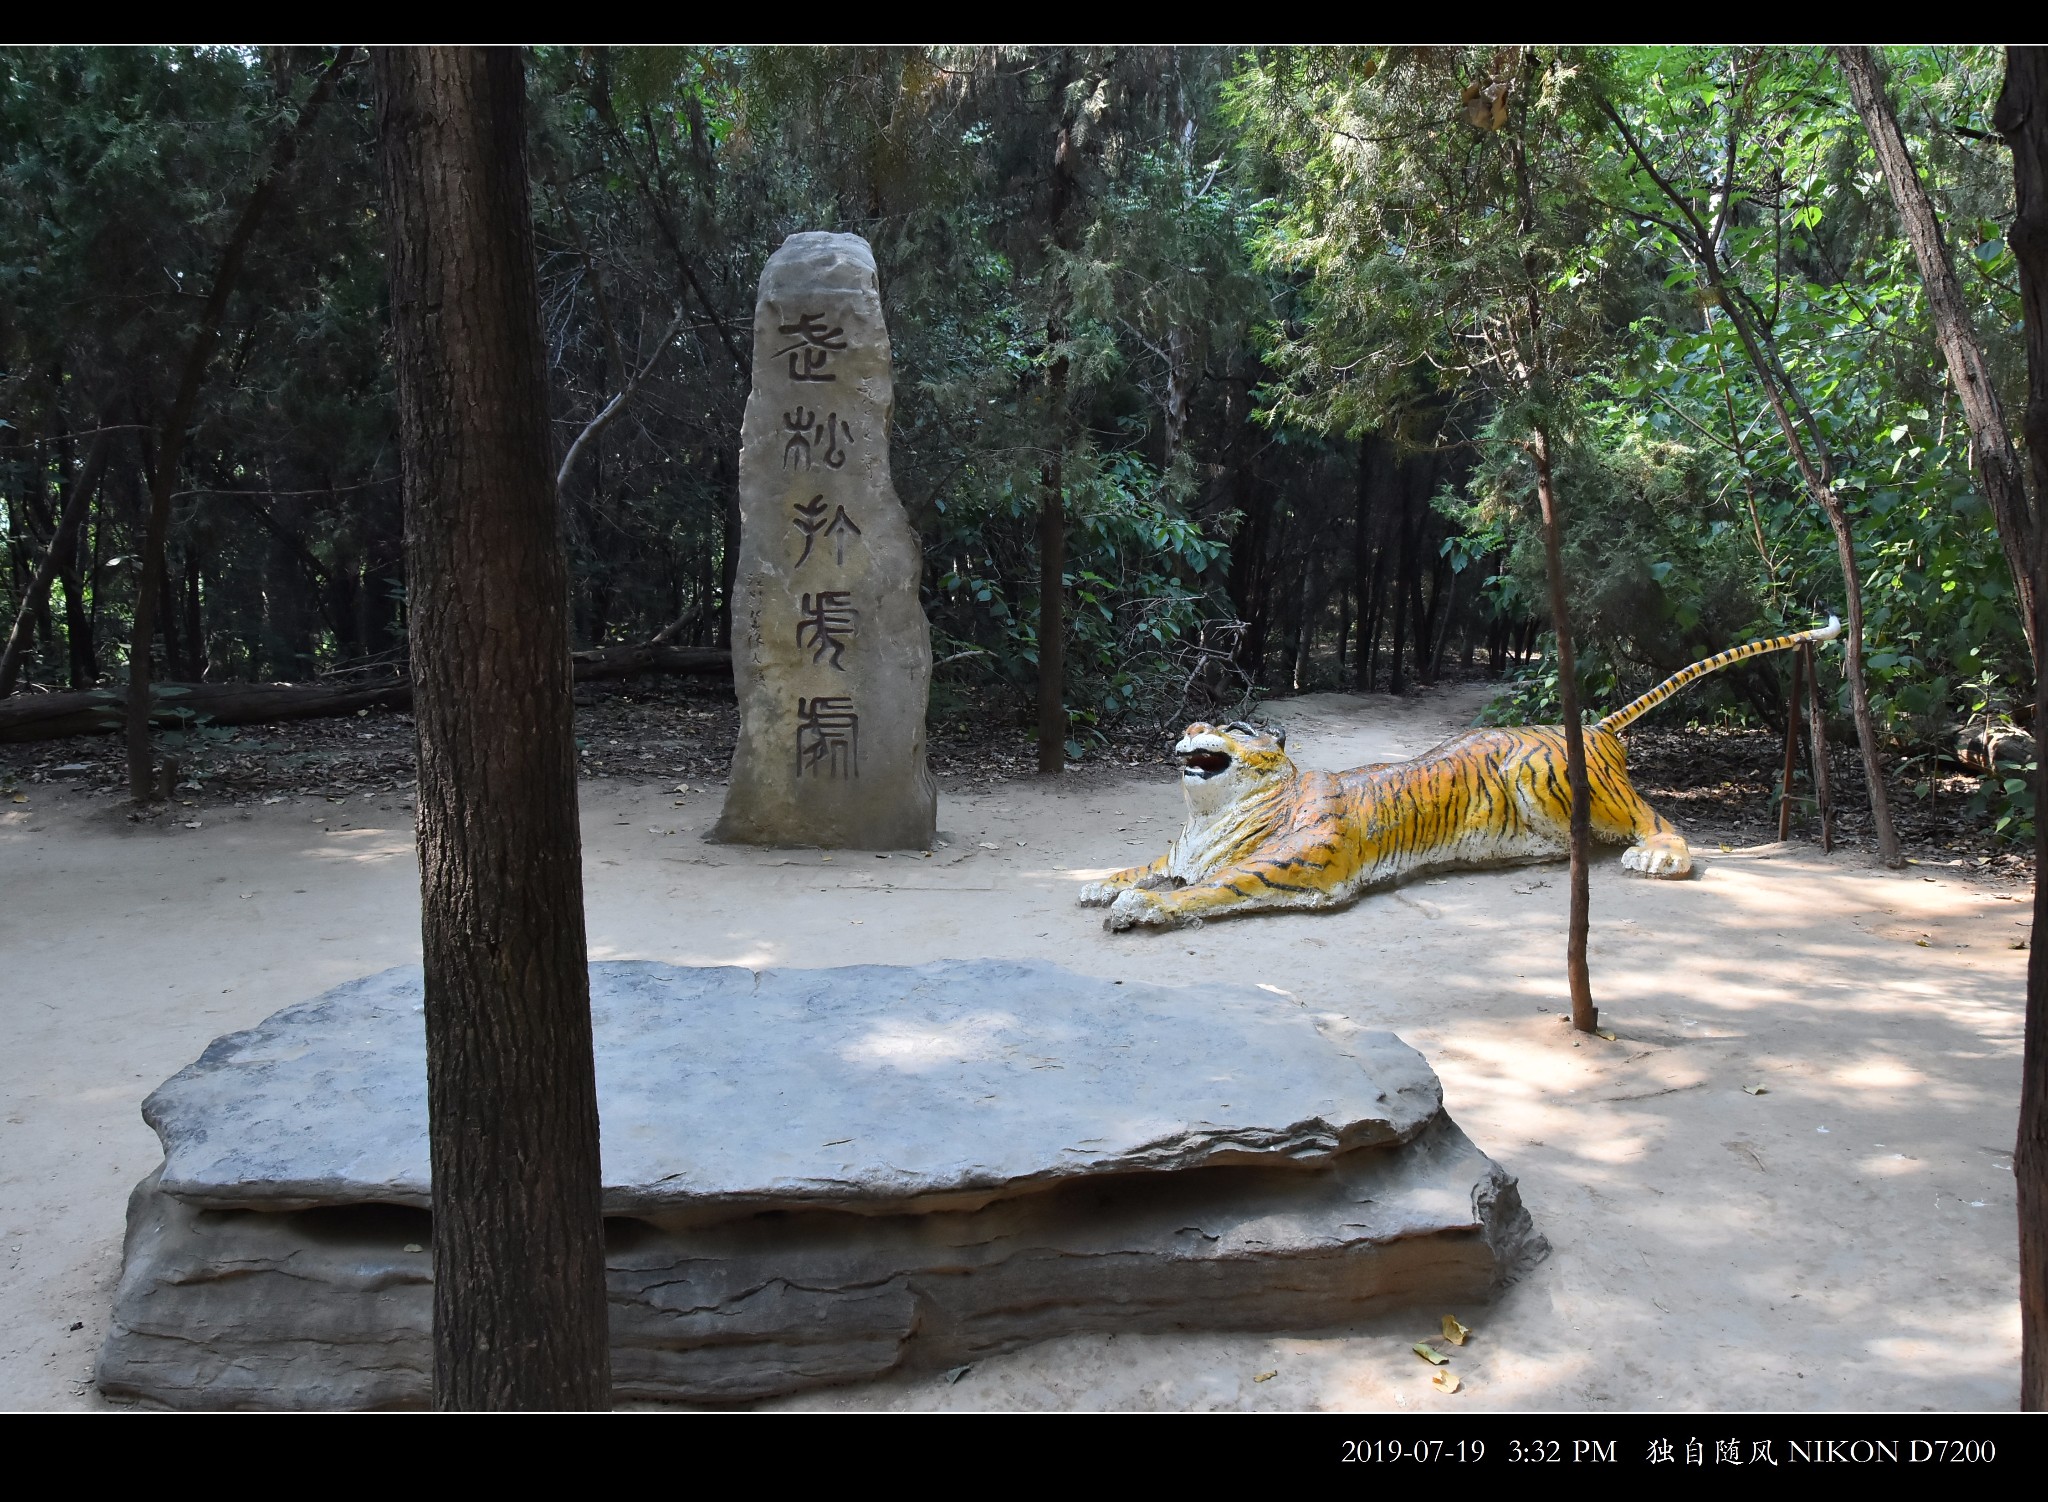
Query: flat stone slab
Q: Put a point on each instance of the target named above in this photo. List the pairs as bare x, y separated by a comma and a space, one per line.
725, 1092
332, 1308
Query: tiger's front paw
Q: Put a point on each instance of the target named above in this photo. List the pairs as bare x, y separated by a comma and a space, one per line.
1098, 894
1665, 855
1136, 908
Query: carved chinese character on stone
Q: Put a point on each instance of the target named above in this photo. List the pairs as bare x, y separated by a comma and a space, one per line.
833, 693
807, 432
814, 345
835, 428
800, 424
825, 624
827, 738
811, 521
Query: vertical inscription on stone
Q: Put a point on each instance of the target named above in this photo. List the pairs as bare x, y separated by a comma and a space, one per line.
833, 657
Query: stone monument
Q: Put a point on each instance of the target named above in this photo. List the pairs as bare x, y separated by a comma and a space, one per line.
817, 1176
832, 655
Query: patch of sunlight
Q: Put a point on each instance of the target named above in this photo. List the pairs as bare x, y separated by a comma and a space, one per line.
1616, 1151
363, 845
758, 957
1953, 1346
914, 1047
1078, 873
1512, 1379
1880, 1074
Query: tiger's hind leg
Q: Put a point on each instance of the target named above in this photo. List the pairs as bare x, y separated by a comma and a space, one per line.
1655, 847
1662, 852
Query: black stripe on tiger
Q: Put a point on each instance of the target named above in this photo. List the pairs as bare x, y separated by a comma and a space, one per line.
1629, 713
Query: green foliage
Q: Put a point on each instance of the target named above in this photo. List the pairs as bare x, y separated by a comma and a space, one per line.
1811, 238
1530, 695
1658, 563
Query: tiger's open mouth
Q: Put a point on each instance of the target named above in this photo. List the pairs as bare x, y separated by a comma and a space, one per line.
1204, 764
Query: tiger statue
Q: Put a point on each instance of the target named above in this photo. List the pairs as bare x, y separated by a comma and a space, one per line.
1261, 833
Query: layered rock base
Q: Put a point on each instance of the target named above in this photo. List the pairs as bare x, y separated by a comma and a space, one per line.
817, 1177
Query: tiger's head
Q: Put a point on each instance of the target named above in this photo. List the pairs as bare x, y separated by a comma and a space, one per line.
1222, 764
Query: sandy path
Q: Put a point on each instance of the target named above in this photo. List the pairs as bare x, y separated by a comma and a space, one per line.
1844, 1241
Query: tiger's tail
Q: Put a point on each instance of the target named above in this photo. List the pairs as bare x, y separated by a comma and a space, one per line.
1628, 714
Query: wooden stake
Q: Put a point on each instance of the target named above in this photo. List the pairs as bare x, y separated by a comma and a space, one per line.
1791, 750
1817, 744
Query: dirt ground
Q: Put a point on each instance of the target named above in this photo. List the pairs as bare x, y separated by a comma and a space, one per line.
1843, 1240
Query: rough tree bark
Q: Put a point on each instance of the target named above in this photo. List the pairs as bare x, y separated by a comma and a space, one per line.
170, 448
63, 546
519, 1290
1998, 466
2022, 118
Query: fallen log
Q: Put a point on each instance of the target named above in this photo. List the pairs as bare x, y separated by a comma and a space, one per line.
173, 706
648, 657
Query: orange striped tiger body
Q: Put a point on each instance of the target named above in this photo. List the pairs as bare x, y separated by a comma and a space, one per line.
1262, 833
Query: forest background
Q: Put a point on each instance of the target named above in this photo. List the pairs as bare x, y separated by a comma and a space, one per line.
1202, 380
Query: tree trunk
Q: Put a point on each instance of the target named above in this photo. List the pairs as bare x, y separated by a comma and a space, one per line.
1444, 607
2022, 118
18, 545
42, 521
1423, 478
168, 619
1791, 751
1817, 740
1404, 577
1247, 566
1370, 627
1343, 636
63, 544
170, 448
78, 640
1997, 466
195, 624
519, 1280
1361, 562
729, 553
95, 563
1436, 626
1585, 1016
1310, 607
